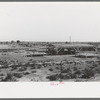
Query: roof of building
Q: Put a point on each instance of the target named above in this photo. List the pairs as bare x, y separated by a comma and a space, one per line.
87, 54
72, 45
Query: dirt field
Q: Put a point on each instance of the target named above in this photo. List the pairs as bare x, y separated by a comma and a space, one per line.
16, 66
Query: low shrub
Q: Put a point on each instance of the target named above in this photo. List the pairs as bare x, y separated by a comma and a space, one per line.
73, 75
18, 75
14, 68
66, 70
53, 77
27, 64
95, 64
32, 68
50, 69
22, 69
1, 74
32, 65
33, 71
78, 72
75, 68
9, 78
97, 69
87, 73
26, 73
57, 68
67, 76
61, 76
38, 67
4, 66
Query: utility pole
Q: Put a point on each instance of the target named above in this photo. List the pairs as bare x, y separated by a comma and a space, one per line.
60, 74
70, 39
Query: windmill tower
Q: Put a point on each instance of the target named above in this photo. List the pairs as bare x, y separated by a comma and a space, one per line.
69, 39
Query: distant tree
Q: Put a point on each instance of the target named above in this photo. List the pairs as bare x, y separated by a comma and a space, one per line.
66, 42
18, 41
12, 41
6, 42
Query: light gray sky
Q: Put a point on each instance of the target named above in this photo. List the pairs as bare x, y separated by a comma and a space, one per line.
50, 21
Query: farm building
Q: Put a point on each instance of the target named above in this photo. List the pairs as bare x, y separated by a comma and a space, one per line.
64, 49
87, 55
35, 54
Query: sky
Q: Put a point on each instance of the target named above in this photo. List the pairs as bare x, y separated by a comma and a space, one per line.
50, 21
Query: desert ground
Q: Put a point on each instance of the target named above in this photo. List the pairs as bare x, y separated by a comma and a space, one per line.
16, 66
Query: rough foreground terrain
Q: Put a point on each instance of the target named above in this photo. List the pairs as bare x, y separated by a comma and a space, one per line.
15, 66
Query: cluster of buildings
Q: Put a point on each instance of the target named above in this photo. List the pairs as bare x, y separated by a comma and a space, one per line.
63, 49
77, 49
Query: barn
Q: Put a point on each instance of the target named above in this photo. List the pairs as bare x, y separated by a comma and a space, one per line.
68, 49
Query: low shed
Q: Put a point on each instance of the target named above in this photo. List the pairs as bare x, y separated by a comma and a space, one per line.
70, 48
87, 55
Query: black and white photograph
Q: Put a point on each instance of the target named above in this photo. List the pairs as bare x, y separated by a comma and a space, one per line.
49, 42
